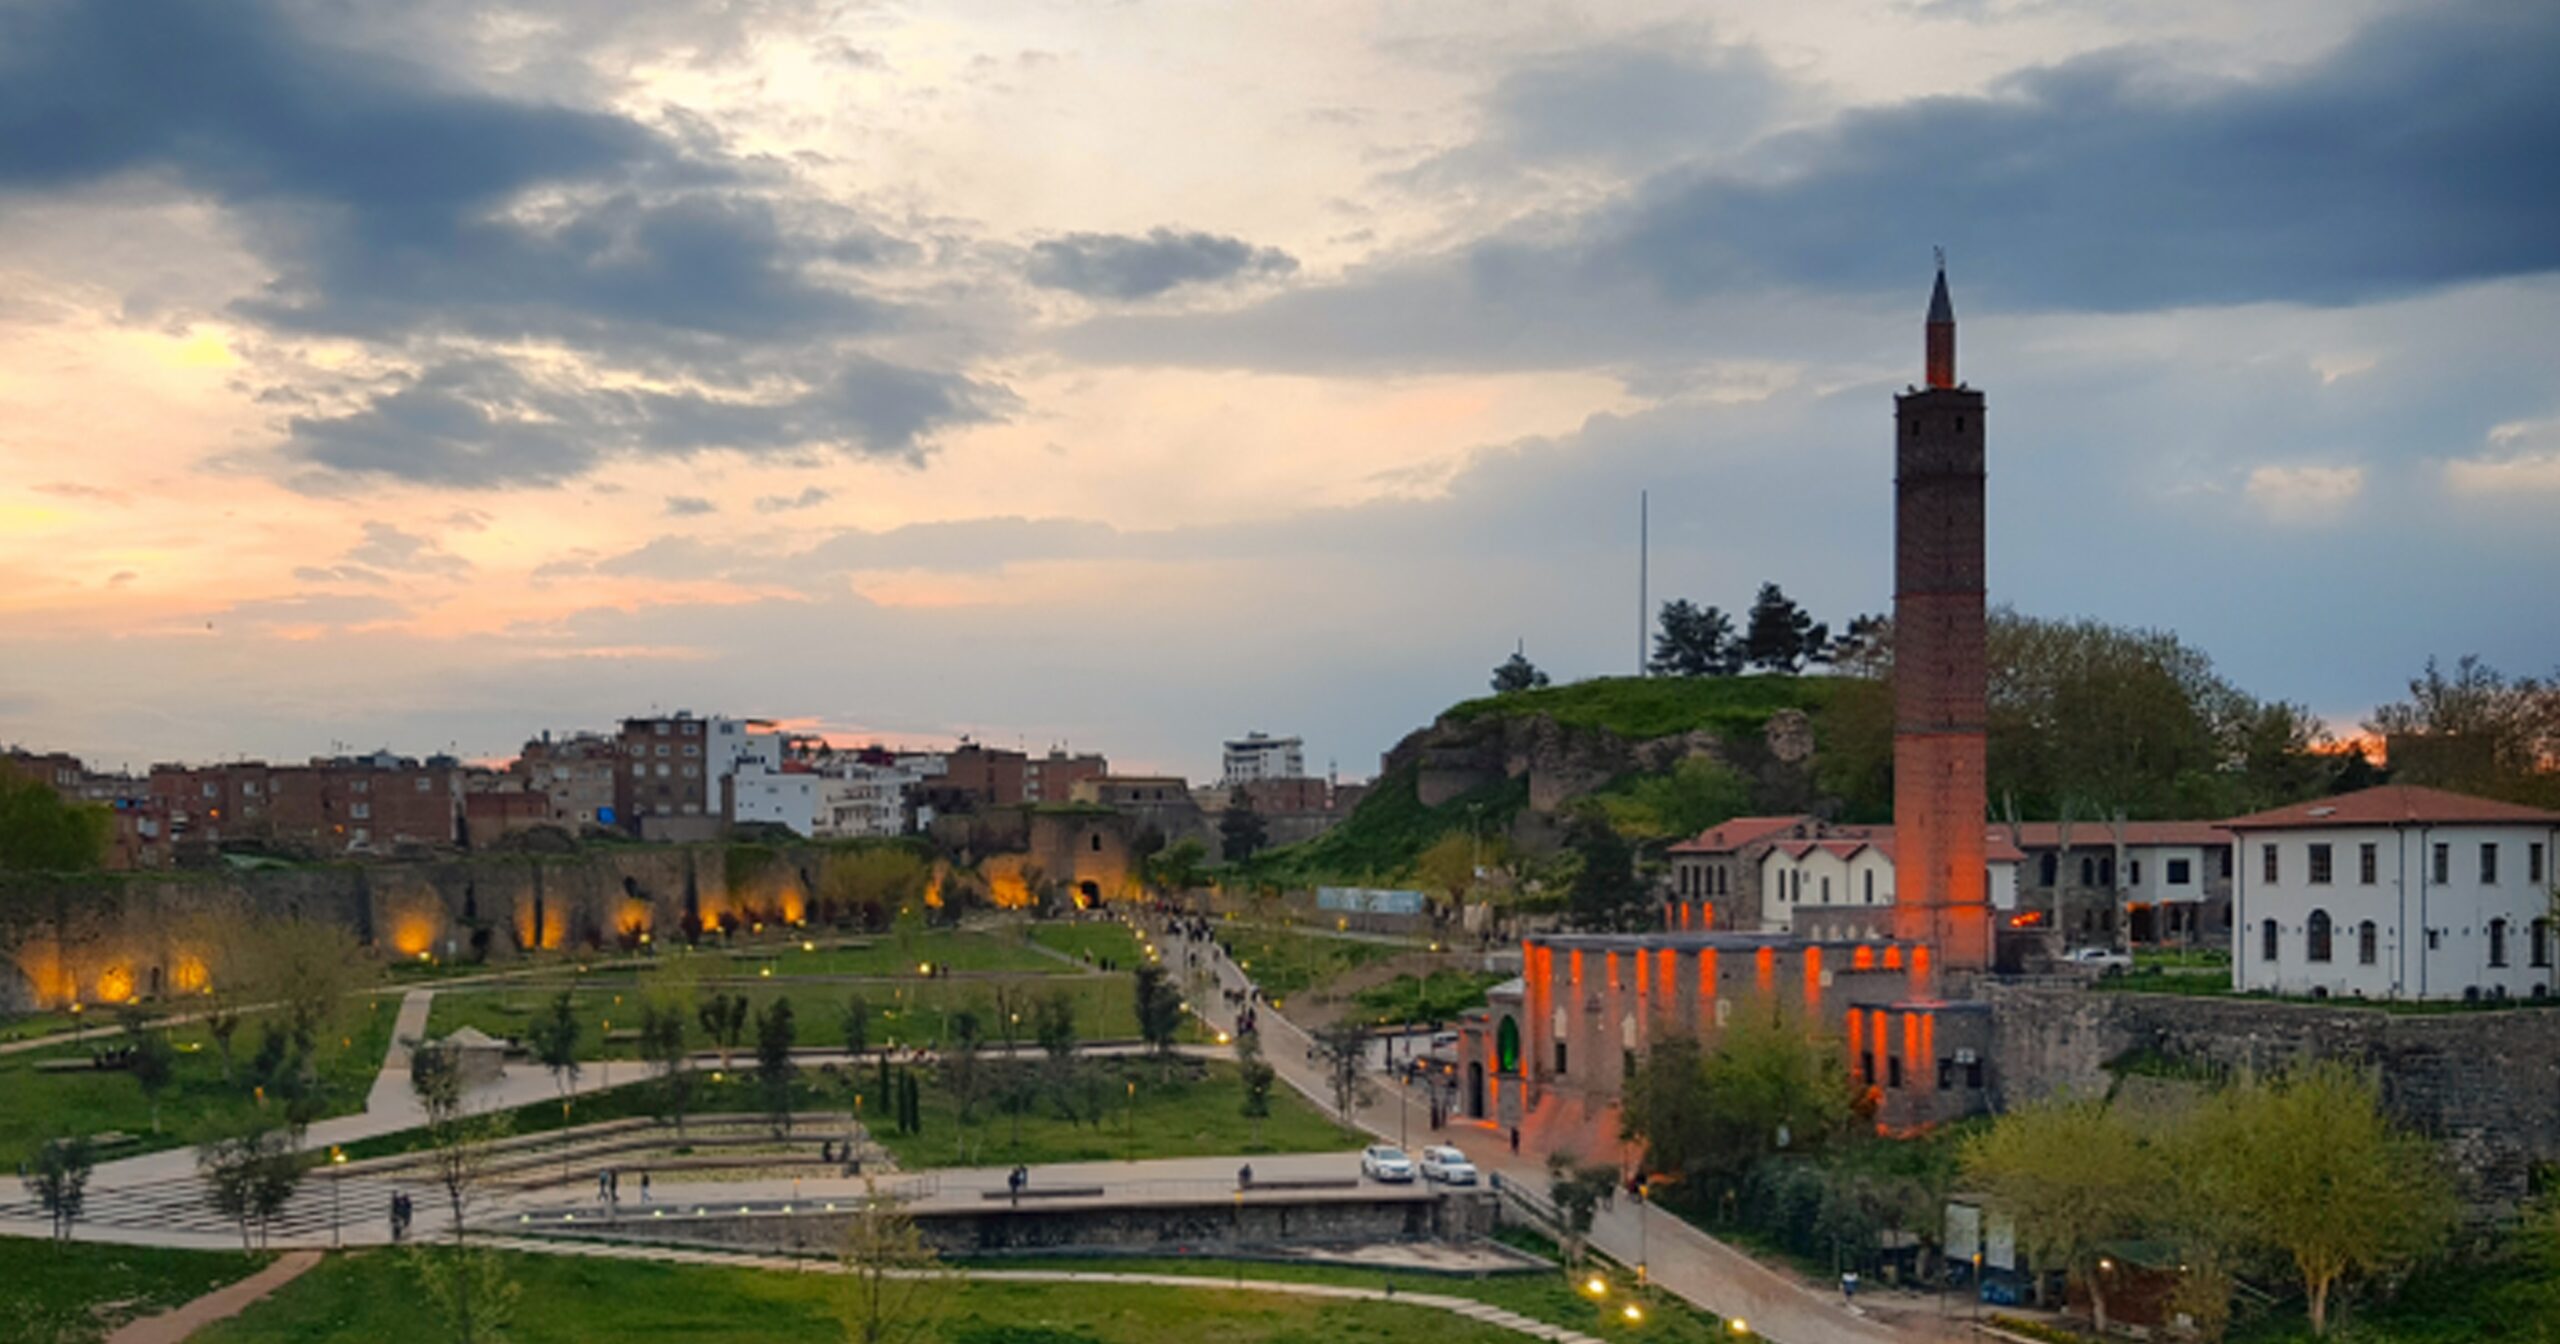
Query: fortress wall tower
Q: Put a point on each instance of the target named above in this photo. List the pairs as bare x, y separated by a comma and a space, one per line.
1940, 808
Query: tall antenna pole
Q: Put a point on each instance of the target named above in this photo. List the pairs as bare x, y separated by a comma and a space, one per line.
1644, 576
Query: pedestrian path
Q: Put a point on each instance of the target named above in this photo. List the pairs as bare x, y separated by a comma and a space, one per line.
175, 1325
1468, 1307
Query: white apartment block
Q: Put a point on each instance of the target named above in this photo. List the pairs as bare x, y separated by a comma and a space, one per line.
1258, 755
2396, 892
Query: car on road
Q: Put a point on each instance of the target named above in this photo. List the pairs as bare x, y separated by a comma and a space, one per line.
1385, 1162
1440, 1162
2103, 959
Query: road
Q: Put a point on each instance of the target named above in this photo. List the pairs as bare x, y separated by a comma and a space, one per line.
1679, 1258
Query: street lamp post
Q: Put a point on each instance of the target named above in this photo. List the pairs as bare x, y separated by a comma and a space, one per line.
337, 1180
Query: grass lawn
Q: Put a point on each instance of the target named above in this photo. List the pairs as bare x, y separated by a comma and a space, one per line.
78, 1292
37, 1106
1193, 1109
373, 1295
32, 1025
1097, 939
911, 1013
1644, 707
1196, 1112
1434, 998
1288, 961
894, 955
1548, 1297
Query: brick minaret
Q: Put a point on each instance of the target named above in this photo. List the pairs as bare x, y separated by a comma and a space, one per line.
1940, 811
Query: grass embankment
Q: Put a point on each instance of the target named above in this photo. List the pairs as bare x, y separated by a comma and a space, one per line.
963, 950
916, 1012
1545, 1296
374, 1295
1131, 1107
1290, 961
79, 1292
1094, 941
1646, 707
1383, 836
36, 1106
1436, 997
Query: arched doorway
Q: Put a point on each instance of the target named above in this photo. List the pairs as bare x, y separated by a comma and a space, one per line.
1506, 1046
1475, 1089
1088, 895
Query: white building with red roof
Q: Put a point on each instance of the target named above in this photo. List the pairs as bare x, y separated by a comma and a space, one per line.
2395, 892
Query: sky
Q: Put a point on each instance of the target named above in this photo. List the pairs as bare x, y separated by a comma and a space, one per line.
1129, 374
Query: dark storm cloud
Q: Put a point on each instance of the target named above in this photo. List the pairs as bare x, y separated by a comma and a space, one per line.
483, 423
402, 211
2416, 156
1117, 266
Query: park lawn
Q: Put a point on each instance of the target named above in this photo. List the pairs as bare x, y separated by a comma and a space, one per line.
373, 1295
1190, 1108
1548, 1296
1290, 961
1434, 998
896, 954
904, 1014
78, 1292
1097, 940
715, 1092
33, 1025
37, 1106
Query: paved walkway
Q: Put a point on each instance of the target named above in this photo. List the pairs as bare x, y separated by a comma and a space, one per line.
1677, 1256
1471, 1308
175, 1325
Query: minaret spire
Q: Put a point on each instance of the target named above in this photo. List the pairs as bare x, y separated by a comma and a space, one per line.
1942, 331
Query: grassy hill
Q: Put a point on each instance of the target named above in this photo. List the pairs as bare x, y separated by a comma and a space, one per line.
1380, 840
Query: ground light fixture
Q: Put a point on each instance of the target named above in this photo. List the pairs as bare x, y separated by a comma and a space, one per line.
1738, 1326
1632, 1313
1596, 1286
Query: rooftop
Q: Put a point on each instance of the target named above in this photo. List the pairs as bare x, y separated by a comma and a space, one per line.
2396, 805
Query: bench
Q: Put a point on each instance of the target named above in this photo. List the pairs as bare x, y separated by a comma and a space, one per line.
1045, 1192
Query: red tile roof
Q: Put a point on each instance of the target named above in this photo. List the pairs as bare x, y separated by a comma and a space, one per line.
1732, 835
1846, 841
2397, 805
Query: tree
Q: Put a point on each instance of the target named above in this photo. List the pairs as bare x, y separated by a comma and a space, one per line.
1448, 869
1258, 1076
875, 882
1517, 673
1770, 1086
1241, 830
149, 1058
1180, 866
1860, 648
1695, 641
1698, 793
2477, 731
775, 1073
662, 1045
856, 1024
250, 1177
1576, 1189
2075, 1177
1781, 637
41, 832
1605, 893
2317, 1173
469, 1290
555, 1040
1342, 1052
59, 1179
724, 1021
307, 968
895, 1286
1159, 1007
1053, 1025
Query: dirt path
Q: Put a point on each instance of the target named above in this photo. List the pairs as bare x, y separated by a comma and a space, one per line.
173, 1326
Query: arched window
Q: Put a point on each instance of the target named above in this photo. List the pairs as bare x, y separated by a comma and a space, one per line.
2267, 941
2497, 942
2367, 940
2316, 933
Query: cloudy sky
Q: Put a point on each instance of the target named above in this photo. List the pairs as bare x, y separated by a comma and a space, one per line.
1130, 374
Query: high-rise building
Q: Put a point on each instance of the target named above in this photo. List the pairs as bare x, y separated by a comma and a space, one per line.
1940, 660
1259, 755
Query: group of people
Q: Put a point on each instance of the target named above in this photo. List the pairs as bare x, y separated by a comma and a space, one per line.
609, 1187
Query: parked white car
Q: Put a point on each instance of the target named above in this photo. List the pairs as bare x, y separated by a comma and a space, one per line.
1385, 1162
2103, 958
1440, 1162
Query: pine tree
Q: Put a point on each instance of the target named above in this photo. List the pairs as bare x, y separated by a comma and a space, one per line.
1781, 637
